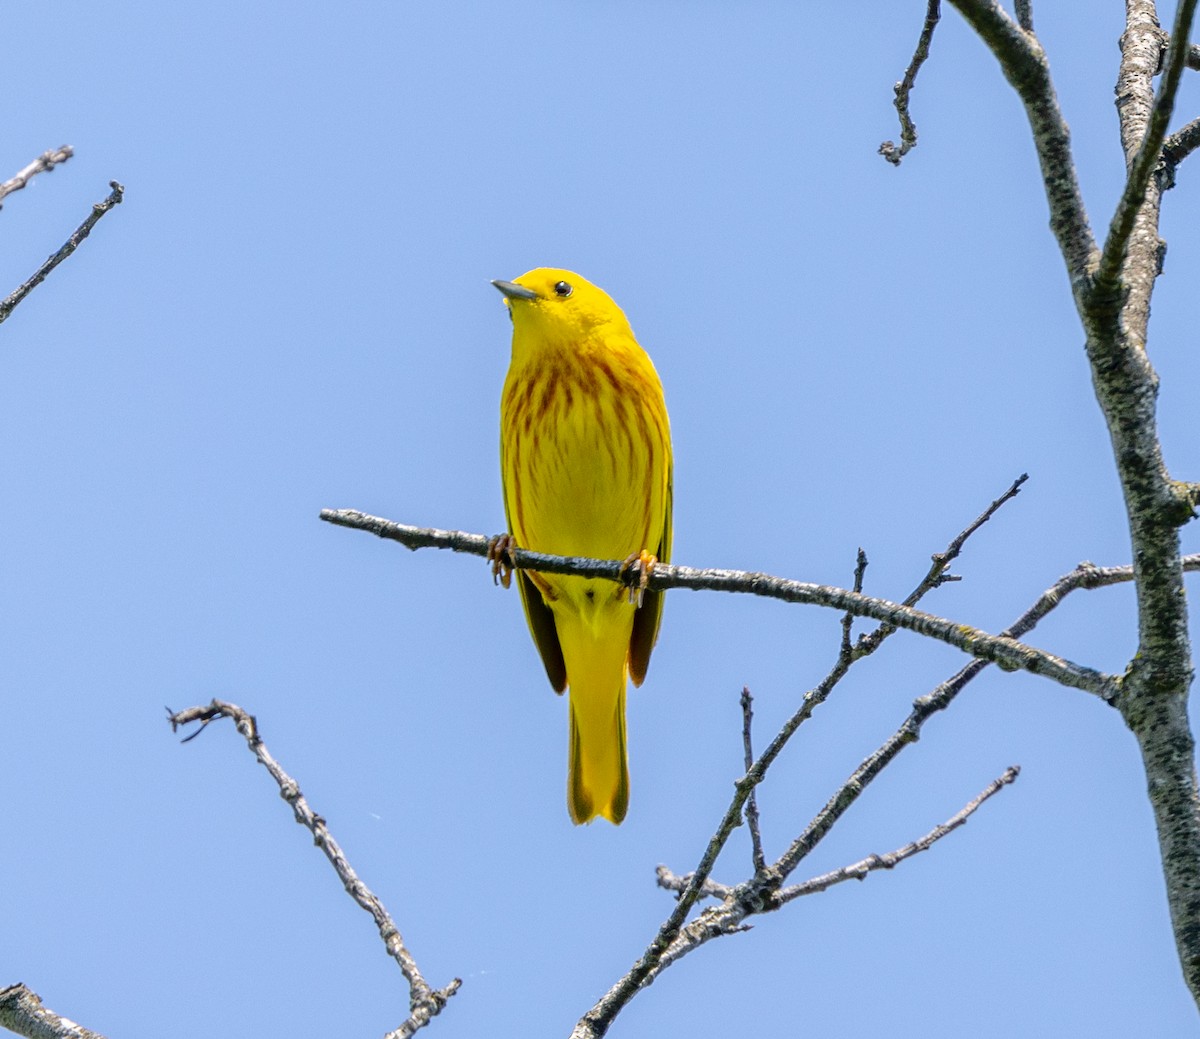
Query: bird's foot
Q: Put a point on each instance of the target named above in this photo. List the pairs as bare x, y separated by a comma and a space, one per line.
499, 555
635, 572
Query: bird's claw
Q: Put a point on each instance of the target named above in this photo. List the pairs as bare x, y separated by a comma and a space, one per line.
499, 555
635, 571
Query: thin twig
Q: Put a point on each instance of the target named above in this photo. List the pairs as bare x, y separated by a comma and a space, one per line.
902, 90
859, 870
939, 564
860, 570
943, 559
1007, 653
424, 1002
44, 163
756, 849
22, 1013
69, 246
1176, 148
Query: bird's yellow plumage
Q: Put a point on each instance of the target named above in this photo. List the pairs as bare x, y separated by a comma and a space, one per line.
585, 457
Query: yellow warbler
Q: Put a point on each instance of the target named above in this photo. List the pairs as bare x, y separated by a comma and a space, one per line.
585, 457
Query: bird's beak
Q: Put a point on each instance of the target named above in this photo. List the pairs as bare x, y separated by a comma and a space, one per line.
513, 291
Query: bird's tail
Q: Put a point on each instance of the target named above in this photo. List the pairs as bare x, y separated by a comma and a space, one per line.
598, 773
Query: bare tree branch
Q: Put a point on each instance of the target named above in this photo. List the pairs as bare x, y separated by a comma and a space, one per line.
597, 1020
760, 893
22, 1012
424, 1002
81, 232
1007, 653
42, 164
859, 870
908, 129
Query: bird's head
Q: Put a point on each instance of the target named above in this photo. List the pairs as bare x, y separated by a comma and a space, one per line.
559, 307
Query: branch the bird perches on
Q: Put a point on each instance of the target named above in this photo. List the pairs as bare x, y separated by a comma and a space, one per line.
998, 649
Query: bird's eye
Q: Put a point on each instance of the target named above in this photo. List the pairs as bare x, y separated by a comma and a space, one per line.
563, 289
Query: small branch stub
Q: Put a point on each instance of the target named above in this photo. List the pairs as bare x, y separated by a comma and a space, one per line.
22, 1013
44, 163
908, 129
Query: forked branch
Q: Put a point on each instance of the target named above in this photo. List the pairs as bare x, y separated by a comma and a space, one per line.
764, 891
863, 867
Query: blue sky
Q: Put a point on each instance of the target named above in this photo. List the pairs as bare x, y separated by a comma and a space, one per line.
291, 311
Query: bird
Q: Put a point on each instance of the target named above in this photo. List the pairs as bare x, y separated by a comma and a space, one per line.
586, 467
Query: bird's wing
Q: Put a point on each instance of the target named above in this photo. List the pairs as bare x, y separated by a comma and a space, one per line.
545, 635
537, 613
648, 616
